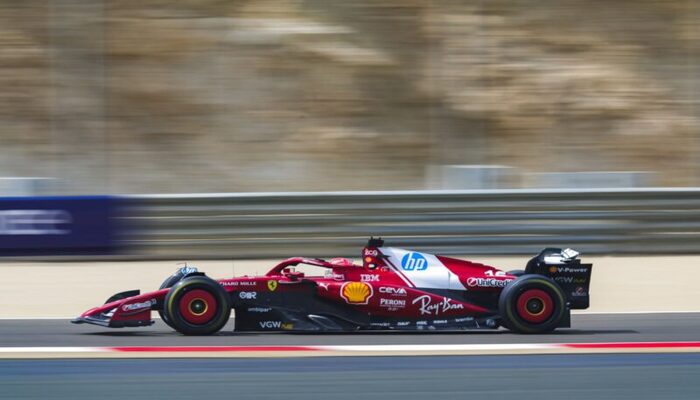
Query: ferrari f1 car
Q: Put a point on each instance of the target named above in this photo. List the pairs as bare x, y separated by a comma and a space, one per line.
393, 289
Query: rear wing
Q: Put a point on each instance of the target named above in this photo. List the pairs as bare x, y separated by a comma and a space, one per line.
568, 271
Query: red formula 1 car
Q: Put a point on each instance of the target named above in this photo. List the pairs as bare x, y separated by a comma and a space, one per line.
394, 289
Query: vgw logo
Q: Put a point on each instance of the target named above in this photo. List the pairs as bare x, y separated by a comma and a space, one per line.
414, 262
270, 324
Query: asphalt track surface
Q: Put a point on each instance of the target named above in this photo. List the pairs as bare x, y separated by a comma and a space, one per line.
521, 377
585, 328
571, 377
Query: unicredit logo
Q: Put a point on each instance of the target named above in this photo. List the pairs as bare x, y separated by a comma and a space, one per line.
487, 282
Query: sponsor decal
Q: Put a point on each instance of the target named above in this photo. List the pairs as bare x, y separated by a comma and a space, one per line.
427, 307
397, 291
270, 324
414, 262
338, 277
272, 285
369, 278
579, 292
356, 292
238, 283
34, 222
287, 326
248, 295
392, 303
464, 319
569, 270
139, 306
382, 324
487, 282
439, 321
370, 253
569, 279
58, 225
259, 309
403, 323
323, 285
419, 323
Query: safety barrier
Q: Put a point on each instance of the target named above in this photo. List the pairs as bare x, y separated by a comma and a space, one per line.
274, 225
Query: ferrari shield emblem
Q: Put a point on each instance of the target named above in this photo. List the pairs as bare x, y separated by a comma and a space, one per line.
272, 285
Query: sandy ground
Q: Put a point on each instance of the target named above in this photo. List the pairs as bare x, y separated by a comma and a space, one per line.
62, 289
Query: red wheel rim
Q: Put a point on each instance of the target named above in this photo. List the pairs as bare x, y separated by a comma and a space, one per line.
535, 306
198, 306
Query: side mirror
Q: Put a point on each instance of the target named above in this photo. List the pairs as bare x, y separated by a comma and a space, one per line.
292, 275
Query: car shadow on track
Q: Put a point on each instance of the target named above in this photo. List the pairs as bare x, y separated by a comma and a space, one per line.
562, 333
595, 332
572, 332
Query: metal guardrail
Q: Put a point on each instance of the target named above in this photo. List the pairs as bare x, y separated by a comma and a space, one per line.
274, 225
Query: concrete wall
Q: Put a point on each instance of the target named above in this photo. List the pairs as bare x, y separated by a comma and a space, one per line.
619, 284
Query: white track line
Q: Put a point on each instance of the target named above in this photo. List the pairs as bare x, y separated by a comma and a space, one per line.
346, 350
584, 312
54, 349
33, 318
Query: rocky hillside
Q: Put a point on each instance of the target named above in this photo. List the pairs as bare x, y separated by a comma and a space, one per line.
212, 95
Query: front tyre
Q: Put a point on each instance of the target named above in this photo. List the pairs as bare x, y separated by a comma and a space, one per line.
197, 306
532, 304
168, 283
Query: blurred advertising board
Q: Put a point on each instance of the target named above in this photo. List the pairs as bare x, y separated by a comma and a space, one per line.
39, 226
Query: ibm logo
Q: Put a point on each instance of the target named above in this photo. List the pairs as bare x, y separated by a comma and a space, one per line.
414, 262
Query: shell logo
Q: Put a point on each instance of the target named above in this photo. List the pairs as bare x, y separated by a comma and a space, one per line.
356, 292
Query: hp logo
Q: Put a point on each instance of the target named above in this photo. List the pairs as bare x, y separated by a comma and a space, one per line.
414, 262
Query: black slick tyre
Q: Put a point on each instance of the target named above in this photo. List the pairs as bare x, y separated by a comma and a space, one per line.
168, 283
532, 304
197, 305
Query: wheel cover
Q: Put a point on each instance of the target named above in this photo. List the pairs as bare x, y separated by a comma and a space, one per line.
535, 306
198, 307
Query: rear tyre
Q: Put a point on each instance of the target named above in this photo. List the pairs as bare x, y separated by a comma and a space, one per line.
197, 305
532, 304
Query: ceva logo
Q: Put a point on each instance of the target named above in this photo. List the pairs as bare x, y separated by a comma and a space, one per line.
414, 262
